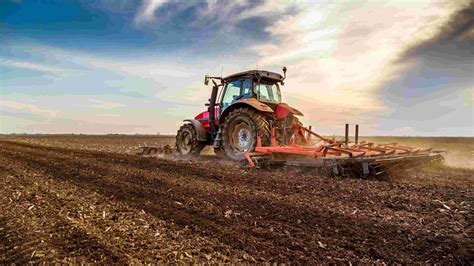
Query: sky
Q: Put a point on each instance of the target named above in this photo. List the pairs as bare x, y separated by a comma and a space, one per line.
401, 67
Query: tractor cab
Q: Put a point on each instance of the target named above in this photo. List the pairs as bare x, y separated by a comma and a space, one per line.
241, 109
250, 84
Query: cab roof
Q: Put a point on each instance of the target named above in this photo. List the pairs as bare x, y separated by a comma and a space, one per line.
253, 73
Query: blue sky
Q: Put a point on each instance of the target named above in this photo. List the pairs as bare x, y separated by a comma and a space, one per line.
123, 66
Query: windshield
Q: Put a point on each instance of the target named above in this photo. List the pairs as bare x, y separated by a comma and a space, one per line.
235, 90
267, 92
231, 92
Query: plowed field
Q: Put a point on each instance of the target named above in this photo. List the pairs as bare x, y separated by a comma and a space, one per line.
69, 204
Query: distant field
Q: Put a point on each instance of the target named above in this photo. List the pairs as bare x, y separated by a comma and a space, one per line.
128, 144
459, 151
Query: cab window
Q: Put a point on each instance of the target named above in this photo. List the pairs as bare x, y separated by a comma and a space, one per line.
232, 91
267, 92
246, 88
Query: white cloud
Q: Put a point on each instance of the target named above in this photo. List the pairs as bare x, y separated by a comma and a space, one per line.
33, 66
163, 73
221, 12
268, 9
25, 107
146, 12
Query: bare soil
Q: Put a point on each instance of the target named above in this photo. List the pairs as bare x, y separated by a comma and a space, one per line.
82, 203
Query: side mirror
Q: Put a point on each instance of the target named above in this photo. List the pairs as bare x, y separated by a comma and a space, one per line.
206, 80
284, 76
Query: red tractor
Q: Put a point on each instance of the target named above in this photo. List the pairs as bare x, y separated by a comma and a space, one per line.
246, 120
243, 109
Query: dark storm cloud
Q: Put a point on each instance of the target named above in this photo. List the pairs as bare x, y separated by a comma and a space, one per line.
454, 41
443, 63
435, 86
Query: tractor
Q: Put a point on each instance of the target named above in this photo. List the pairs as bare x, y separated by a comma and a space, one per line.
247, 120
242, 108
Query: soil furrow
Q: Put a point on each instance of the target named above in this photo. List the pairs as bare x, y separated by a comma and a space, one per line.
256, 215
41, 231
149, 236
378, 191
267, 215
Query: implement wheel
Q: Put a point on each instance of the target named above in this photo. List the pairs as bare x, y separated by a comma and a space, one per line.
186, 141
239, 134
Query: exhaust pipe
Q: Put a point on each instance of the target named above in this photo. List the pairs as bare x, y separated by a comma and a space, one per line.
357, 135
212, 109
346, 140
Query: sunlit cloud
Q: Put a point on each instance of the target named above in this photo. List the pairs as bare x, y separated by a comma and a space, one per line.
25, 107
339, 55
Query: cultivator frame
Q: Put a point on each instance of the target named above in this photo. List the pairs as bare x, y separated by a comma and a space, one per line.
339, 157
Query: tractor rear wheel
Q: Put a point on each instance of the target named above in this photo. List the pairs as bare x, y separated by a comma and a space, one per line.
240, 131
186, 141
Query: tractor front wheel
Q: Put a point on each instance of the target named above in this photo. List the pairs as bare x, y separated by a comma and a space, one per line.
240, 131
186, 141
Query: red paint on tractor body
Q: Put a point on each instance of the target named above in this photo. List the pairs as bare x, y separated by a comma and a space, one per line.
282, 110
203, 118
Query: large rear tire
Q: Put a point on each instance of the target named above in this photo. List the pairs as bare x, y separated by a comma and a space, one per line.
240, 131
186, 141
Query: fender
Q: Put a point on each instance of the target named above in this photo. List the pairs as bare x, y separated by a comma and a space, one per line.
283, 110
250, 102
200, 131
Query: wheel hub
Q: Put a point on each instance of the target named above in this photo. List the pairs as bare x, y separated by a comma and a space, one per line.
186, 142
244, 137
241, 137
